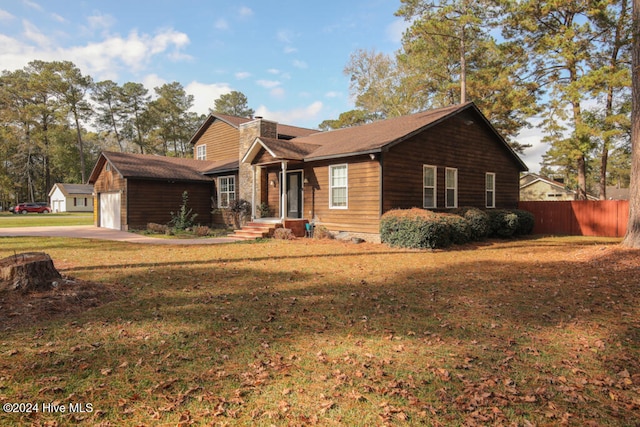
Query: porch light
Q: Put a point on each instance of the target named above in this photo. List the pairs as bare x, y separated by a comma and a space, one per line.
272, 183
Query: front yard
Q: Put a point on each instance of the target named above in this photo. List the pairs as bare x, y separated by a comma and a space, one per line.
8, 219
528, 332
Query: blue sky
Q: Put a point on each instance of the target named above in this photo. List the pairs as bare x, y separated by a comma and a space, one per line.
286, 56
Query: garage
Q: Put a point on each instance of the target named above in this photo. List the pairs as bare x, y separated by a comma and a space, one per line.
110, 210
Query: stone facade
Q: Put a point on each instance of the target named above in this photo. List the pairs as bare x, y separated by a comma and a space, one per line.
248, 133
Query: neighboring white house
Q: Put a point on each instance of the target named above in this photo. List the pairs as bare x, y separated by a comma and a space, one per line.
71, 198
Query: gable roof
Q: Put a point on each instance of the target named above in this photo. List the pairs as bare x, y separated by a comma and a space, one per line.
284, 131
529, 179
280, 149
373, 137
153, 167
69, 189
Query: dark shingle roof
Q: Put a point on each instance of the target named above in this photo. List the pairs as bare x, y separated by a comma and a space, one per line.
75, 188
290, 150
154, 167
284, 131
373, 136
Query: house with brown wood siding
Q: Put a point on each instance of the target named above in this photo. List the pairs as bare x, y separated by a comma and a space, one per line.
346, 179
132, 190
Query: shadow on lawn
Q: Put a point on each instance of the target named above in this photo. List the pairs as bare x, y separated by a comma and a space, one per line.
228, 312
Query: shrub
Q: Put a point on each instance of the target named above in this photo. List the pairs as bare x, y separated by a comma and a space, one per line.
321, 232
264, 210
239, 210
504, 223
184, 218
201, 230
283, 234
526, 222
157, 228
415, 228
459, 228
478, 220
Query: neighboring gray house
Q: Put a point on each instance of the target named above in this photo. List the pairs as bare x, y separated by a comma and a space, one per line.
71, 198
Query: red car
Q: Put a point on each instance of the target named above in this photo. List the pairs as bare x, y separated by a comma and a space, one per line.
25, 208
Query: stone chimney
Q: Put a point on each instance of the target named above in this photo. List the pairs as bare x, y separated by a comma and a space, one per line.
248, 133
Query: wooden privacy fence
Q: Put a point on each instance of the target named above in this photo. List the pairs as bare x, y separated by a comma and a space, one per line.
605, 218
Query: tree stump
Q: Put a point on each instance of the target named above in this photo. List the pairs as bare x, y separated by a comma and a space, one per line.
29, 271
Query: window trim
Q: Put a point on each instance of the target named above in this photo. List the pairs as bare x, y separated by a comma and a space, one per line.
434, 187
492, 190
201, 155
220, 192
447, 188
346, 186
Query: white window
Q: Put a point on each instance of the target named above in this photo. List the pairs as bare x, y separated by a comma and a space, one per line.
338, 189
429, 177
451, 194
201, 152
226, 190
490, 188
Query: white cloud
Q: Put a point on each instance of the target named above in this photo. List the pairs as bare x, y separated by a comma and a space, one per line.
204, 95
100, 22
58, 18
277, 92
33, 5
333, 94
304, 116
245, 12
290, 49
300, 64
268, 84
221, 24
5, 16
152, 81
285, 36
33, 33
273, 71
396, 29
241, 75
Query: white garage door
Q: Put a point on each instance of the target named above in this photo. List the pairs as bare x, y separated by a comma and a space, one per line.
110, 210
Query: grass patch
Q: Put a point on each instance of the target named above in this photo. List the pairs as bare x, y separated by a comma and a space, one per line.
536, 331
8, 220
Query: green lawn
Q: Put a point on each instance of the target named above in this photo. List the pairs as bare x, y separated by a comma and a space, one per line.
38, 220
540, 331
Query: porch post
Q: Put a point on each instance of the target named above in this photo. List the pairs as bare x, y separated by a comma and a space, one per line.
283, 196
253, 192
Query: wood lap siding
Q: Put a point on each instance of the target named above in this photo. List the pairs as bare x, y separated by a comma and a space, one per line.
473, 150
363, 213
110, 181
153, 201
221, 140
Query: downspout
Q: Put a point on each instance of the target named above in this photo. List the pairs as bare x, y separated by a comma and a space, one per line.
381, 185
283, 203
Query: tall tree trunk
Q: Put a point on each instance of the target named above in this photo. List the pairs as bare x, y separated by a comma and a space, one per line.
80, 147
632, 239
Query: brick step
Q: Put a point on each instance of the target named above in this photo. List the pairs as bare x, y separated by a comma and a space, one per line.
255, 230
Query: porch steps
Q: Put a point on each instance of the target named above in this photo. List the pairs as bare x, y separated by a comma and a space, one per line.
255, 230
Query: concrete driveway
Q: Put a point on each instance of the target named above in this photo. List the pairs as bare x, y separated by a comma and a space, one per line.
91, 232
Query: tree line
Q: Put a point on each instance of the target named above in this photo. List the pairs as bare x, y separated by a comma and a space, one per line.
55, 121
565, 63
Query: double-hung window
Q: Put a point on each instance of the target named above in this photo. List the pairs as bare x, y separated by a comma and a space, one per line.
226, 191
451, 190
201, 152
429, 179
338, 187
490, 189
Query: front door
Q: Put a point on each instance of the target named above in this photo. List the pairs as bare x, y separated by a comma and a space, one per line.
294, 194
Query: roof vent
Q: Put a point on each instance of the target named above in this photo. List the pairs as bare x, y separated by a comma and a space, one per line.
257, 117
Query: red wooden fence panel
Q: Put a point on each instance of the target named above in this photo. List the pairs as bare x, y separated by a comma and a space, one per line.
604, 218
